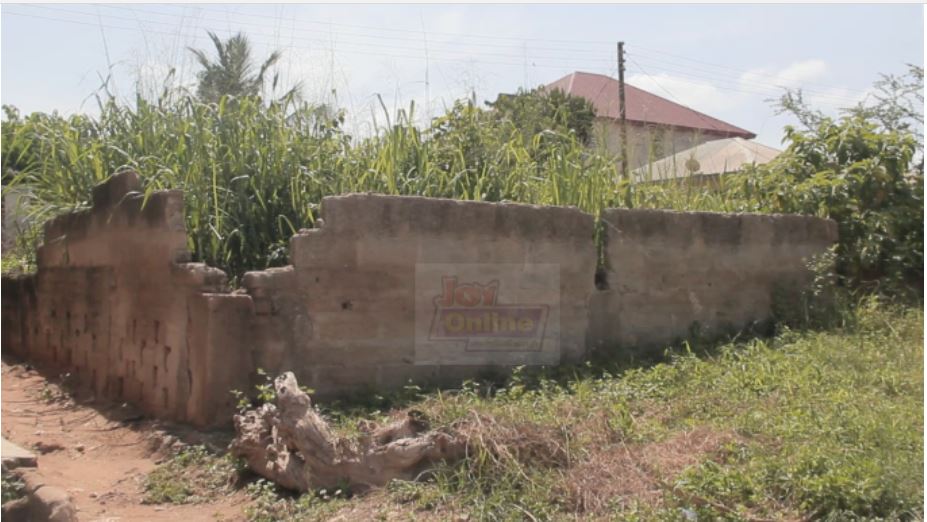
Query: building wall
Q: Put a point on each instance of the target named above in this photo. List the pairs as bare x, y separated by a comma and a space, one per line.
14, 216
648, 143
375, 295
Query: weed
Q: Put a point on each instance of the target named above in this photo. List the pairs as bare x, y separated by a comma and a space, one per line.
191, 476
823, 423
264, 393
254, 173
272, 504
12, 487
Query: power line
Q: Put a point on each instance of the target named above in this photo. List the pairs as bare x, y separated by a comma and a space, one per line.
704, 118
359, 45
710, 64
381, 37
740, 77
738, 86
378, 43
366, 53
456, 35
572, 63
602, 55
466, 58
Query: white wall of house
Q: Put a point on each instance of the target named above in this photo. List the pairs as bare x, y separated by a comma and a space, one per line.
649, 142
14, 216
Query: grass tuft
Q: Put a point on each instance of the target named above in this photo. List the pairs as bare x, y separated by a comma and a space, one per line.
192, 476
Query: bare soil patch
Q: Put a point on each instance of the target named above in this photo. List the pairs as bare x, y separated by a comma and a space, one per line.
99, 453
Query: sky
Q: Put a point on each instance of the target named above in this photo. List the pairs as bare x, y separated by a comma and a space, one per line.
727, 61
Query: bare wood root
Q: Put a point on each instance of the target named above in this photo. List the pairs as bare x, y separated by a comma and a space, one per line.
289, 443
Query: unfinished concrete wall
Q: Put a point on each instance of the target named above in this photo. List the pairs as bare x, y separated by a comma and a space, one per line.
670, 273
385, 290
111, 303
355, 308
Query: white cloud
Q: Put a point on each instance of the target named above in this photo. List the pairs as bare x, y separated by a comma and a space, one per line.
792, 76
807, 75
744, 100
701, 95
718, 95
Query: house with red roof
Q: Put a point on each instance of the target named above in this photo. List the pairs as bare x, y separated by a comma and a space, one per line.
657, 127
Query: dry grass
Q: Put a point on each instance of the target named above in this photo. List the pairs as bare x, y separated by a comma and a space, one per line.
637, 474
517, 443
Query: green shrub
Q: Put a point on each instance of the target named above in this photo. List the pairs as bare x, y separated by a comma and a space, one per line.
863, 179
254, 173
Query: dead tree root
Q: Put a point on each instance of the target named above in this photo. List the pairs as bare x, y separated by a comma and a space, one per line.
289, 443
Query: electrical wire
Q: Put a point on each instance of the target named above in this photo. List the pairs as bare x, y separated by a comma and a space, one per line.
444, 55
360, 52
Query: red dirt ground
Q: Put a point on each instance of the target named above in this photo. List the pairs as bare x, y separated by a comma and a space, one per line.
98, 453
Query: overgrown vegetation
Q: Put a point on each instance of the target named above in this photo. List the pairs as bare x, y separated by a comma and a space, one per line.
254, 172
271, 504
191, 476
796, 424
819, 423
11, 488
848, 170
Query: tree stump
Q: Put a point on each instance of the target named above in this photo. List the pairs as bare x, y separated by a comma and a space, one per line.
289, 443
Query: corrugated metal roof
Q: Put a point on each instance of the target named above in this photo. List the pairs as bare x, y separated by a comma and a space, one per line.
713, 157
642, 106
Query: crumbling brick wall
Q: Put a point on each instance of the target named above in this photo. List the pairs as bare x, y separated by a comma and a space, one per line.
365, 303
343, 316
111, 301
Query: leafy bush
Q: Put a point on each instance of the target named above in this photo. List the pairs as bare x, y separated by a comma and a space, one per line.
535, 111
12, 487
254, 173
848, 170
863, 179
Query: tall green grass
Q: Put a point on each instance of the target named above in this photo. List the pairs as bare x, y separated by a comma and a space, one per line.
255, 173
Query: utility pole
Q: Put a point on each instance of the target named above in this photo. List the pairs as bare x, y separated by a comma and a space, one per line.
622, 113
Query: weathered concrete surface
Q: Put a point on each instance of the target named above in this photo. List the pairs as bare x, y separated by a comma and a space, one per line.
40, 502
343, 317
14, 456
110, 303
116, 303
668, 271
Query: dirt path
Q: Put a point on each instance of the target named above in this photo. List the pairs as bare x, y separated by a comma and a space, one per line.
98, 453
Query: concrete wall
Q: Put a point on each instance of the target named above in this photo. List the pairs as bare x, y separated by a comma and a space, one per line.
344, 316
111, 303
669, 270
385, 290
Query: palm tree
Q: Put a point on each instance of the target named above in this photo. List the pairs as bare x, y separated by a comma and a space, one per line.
233, 71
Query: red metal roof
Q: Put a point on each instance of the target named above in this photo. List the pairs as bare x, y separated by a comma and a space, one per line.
642, 106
